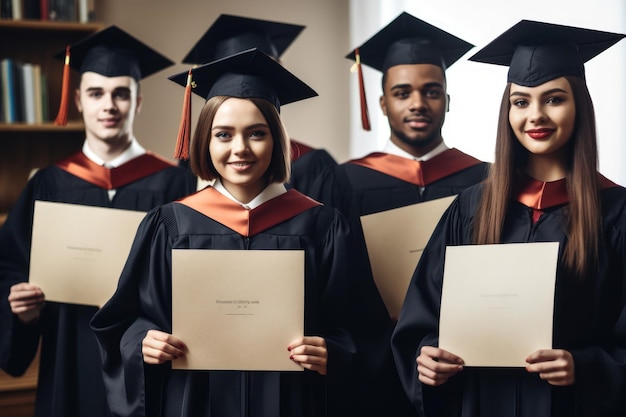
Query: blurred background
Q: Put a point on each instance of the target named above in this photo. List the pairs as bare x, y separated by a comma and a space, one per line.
335, 27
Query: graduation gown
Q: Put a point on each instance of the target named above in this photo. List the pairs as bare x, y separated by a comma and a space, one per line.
306, 166
380, 182
209, 220
589, 316
70, 380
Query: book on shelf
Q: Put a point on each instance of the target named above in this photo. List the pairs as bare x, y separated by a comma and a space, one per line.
43, 98
18, 91
37, 97
24, 93
28, 93
32, 9
8, 94
1, 99
6, 9
82, 11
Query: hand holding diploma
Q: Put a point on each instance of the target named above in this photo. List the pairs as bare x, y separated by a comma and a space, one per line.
159, 347
310, 352
435, 366
556, 366
27, 301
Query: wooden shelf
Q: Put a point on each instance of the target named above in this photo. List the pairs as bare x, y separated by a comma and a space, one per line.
42, 128
43, 25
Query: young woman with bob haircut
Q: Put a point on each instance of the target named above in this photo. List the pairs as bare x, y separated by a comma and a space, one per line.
241, 144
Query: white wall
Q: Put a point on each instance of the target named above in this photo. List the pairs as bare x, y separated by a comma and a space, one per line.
476, 89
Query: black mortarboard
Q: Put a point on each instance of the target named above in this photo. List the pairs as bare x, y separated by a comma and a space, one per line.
111, 52
232, 34
537, 52
248, 74
409, 40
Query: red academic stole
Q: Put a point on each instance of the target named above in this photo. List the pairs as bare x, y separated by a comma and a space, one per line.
540, 195
222, 209
421, 173
111, 178
298, 149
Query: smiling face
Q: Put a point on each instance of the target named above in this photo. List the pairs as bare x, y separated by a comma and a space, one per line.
240, 148
108, 106
415, 103
543, 119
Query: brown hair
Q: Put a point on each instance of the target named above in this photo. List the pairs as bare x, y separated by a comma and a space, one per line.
200, 158
583, 211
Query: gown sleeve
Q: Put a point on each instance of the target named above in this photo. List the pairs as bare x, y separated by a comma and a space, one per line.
601, 368
418, 324
18, 341
140, 303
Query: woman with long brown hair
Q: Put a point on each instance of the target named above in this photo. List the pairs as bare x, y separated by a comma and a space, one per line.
543, 187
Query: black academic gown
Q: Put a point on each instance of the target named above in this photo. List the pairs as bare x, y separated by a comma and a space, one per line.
209, 220
307, 167
380, 182
589, 316
70, 377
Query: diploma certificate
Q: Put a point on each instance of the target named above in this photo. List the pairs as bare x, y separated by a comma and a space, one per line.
497, 302
237, 309
78, 252
395, 241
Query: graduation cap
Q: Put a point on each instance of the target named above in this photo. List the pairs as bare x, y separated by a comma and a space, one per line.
409, 40
232, 34
110, 52
537, 52
248, 74
406, 40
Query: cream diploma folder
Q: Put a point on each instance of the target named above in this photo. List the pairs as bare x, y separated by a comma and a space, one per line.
237, 309
497, 302
78, 252
395, 241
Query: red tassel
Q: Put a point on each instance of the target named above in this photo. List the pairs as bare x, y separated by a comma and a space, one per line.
184, 130
365, 118
61, 119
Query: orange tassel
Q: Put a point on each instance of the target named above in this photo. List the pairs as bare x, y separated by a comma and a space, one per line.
184, 130
61, 119
365, 118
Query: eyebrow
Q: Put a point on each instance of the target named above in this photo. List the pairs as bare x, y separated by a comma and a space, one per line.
101, 88
255, 126
427, 85
545, 93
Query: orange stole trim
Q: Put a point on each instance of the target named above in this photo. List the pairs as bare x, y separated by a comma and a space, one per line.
541, 195
298, 149
421, 173
223, 210
111, 178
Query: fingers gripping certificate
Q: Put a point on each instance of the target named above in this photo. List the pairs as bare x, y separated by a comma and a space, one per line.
497, 302
237, 309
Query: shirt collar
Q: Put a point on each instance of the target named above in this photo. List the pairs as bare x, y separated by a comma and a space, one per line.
271, 191
393, 149
133, 151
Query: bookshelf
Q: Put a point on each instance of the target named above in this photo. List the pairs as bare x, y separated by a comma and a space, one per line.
24, 147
